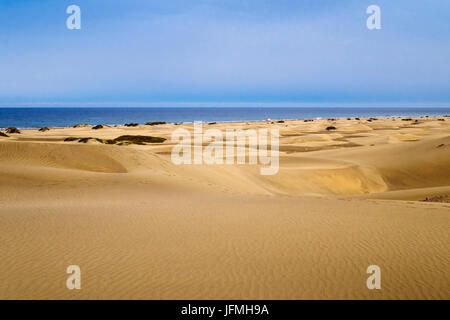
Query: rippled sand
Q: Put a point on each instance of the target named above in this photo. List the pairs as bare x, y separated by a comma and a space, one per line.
141, 227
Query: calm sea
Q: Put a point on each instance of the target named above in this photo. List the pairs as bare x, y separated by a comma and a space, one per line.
64, 117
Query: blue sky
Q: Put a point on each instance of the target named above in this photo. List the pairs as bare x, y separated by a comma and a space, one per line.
150, 51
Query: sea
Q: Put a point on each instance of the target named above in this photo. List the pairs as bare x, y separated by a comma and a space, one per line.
59, 117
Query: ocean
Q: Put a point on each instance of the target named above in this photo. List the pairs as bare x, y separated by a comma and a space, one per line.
65, 117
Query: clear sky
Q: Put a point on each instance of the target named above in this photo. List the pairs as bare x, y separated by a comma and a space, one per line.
310, 51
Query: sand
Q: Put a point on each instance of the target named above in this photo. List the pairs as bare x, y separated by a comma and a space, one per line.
141, 227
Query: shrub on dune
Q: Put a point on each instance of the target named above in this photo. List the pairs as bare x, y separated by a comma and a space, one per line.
81, 125
122, 140
154, 123
139, 139
331, 128
12, 130
84, 140
3, 135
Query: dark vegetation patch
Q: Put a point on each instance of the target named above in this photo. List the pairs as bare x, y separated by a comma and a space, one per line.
3, 135
81, 125
280, 121
43, 129
132, 124
12, 130
122, 140
331, 128
155, 123
99, 126
139, 139
85, 140
211, 123
441, 198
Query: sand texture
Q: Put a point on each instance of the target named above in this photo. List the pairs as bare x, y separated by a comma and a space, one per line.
141, 227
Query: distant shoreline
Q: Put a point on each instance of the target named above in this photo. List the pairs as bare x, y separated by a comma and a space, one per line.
274, 121
35, 118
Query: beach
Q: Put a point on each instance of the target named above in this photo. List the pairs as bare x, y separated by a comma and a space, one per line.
349, 193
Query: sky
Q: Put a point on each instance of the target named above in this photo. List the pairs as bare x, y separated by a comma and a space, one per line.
259, 51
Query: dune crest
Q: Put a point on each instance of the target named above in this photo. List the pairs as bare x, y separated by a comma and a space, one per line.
141, 227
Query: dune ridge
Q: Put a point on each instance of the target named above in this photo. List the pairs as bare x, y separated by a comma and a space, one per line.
141, 227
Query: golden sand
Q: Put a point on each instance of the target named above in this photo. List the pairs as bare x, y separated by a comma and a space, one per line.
141, 227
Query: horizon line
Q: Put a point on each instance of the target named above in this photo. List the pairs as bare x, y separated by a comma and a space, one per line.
218, 104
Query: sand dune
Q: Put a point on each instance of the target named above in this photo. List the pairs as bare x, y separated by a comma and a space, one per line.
142, 227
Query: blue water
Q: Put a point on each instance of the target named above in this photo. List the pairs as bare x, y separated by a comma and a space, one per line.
64, 117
